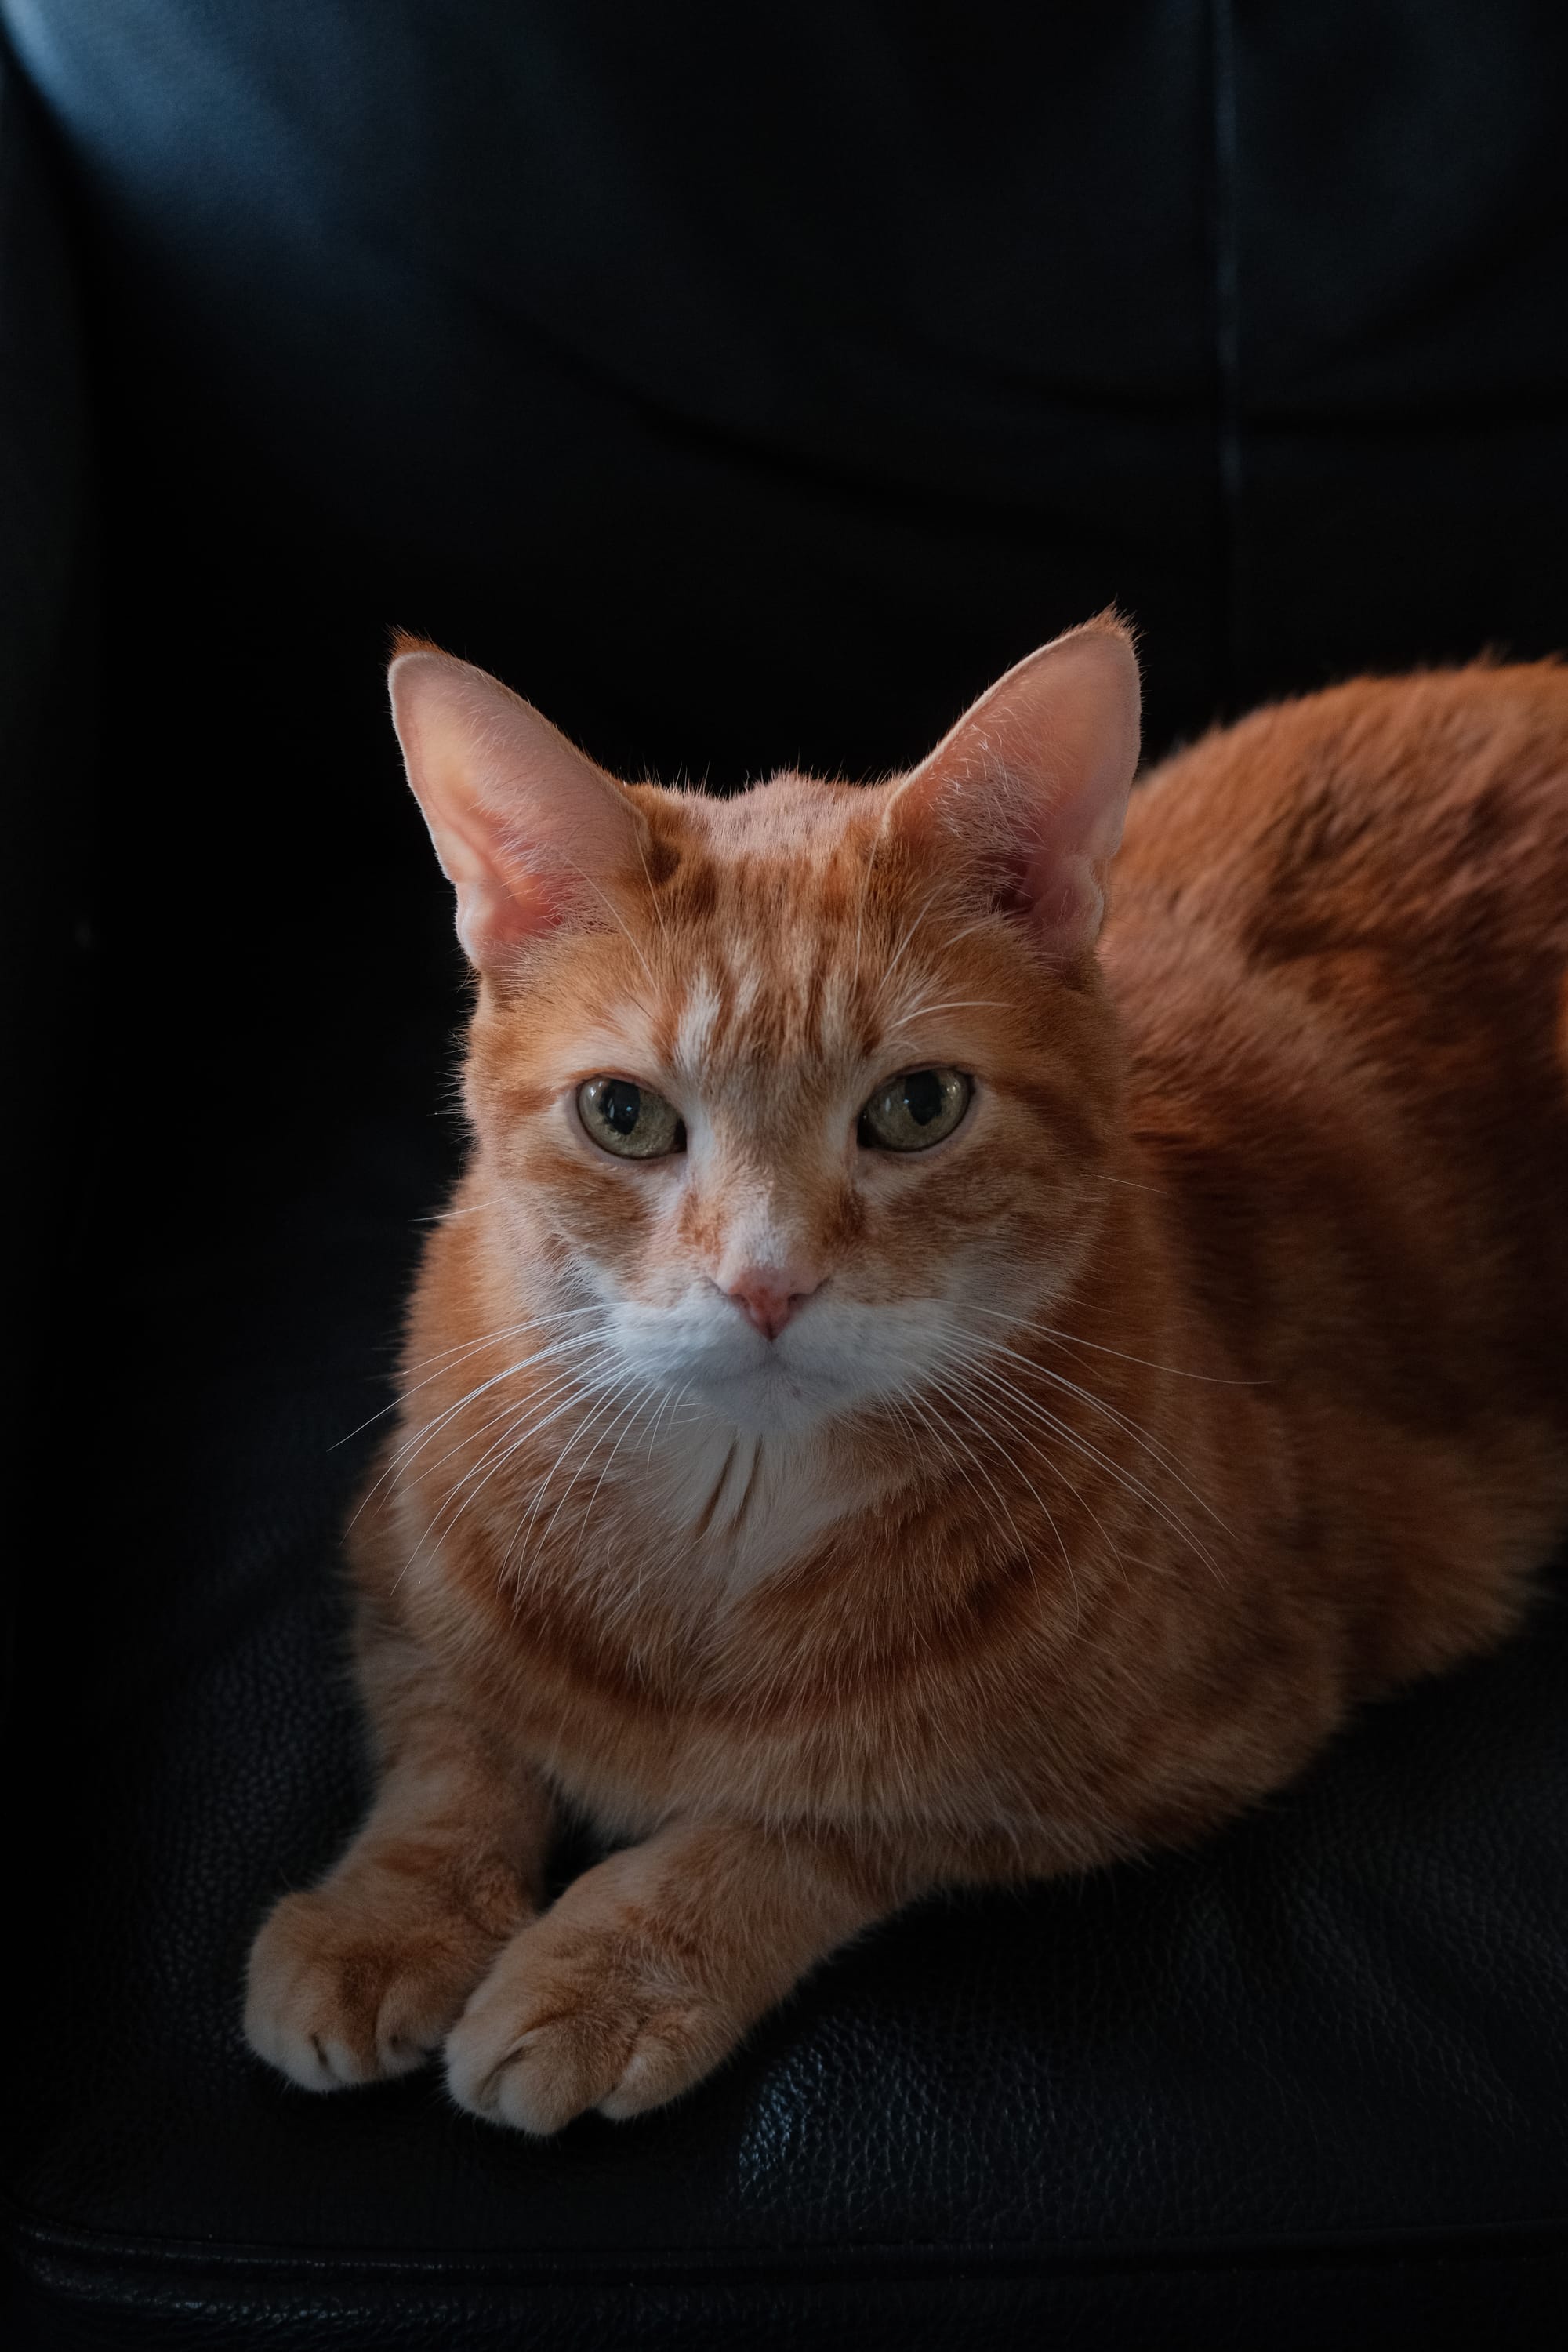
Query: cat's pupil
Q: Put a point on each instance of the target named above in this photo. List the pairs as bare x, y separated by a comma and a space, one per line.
924, 1095
620, 1105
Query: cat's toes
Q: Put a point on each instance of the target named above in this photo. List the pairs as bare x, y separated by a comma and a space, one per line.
335, 1998
553, 2031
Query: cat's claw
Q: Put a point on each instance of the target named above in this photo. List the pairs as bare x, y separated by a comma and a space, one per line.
567, 2023
334, 1999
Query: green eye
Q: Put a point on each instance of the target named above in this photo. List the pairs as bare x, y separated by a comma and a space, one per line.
632, 1122
911, 1113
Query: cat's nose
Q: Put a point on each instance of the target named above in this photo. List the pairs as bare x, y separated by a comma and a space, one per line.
768, 1296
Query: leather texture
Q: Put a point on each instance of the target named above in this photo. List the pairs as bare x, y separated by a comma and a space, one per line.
46, 742
744, 391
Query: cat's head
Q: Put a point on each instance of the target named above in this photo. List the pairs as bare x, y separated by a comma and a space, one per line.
793, 1096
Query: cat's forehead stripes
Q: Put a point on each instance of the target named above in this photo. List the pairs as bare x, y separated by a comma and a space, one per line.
739, 1009
791, 818
783, 912
778, 842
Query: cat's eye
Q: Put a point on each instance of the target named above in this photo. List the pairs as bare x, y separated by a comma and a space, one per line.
630, 1121
912, 1112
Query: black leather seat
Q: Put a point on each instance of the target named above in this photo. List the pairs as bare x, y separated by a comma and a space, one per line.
745, 389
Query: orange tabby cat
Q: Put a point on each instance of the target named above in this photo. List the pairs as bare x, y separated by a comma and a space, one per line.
914, 1390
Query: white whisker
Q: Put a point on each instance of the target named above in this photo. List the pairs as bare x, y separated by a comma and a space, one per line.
1074, 1340
1141, 1436
1115, 1471
943, 1390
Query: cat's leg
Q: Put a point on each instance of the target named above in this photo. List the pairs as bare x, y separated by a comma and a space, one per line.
652, 1966
361, 1976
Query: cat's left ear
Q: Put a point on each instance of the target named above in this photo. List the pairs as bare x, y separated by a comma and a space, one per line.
1030, 788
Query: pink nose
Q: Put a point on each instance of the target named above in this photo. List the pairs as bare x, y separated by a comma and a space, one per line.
767, 1298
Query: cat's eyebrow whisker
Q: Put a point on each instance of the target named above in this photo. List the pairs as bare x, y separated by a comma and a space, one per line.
902, 946
652, 893
617, 916
860, 907
952, 1004
954, 938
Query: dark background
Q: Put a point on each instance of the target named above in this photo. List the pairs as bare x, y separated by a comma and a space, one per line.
744, 387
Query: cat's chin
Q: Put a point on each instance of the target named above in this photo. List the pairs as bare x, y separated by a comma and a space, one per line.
769, 1399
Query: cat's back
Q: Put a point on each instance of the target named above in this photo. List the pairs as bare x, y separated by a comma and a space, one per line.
1423, 815
1376, 878
1339, 941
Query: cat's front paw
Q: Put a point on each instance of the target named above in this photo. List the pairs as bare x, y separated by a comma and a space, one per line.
577, 2016
347, 1986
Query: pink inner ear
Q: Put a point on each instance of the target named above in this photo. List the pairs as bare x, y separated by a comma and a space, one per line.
526, 829
1036, 776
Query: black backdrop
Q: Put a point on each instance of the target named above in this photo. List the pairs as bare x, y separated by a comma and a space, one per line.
745, 386
750, 387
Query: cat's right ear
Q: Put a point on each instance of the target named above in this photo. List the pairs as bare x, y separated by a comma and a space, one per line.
527, 830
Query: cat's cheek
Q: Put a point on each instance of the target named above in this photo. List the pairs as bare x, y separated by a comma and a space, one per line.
615, 1216
916, 1221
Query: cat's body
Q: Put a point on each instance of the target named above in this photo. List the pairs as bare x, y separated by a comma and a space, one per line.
1208, 1377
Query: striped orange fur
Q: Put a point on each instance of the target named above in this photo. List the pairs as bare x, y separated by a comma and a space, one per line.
830, 1522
